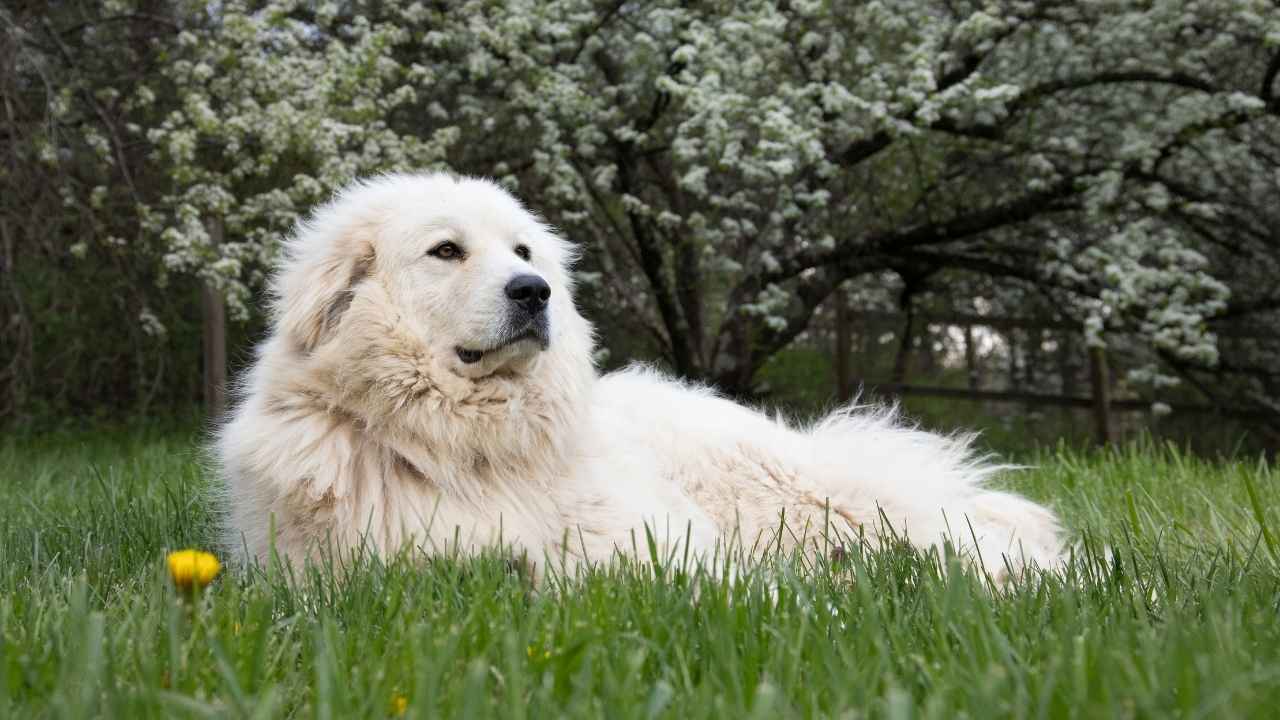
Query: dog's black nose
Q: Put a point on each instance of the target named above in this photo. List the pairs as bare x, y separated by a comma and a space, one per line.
529, 292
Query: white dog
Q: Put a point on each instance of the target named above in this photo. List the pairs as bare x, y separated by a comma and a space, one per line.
428, 381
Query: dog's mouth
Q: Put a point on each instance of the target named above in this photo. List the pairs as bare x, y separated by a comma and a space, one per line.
469, 356
536, 333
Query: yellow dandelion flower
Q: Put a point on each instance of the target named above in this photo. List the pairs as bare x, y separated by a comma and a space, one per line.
191, 569
399, 704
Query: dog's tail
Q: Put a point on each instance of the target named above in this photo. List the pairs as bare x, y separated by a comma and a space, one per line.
929, 488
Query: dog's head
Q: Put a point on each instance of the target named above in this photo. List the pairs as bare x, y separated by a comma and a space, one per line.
456, 263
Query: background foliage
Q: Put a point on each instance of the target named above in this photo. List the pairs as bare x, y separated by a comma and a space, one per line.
737, 173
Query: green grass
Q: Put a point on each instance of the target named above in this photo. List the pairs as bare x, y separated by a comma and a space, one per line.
1181, 621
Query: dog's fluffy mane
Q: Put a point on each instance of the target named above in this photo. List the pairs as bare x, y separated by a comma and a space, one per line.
344, 398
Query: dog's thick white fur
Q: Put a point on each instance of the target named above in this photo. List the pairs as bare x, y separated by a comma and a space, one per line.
406, 396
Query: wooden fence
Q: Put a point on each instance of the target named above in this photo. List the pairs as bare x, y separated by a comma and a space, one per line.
1099, 400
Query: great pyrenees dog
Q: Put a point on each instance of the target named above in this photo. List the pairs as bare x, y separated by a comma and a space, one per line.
428, 383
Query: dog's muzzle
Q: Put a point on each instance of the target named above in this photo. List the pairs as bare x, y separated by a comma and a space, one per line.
527, 318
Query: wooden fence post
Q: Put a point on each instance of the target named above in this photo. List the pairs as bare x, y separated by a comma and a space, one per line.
1100, 377
214, 312
1012, 339
1067, 363
971, 358
902, 360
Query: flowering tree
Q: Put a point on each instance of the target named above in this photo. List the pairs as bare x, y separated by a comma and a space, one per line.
733, 166
277, 107
728, 166
79, 304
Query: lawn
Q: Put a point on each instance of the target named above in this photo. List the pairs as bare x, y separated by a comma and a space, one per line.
1180, 619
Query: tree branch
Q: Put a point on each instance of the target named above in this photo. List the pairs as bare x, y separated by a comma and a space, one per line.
1267, 92
861, 150
652, 263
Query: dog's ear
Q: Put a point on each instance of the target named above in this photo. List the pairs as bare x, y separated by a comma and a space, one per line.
314, 291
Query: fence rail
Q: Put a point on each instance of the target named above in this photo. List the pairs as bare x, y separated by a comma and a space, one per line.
1095, 363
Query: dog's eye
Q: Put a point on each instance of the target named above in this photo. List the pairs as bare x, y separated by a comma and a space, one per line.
523, 252
447, 250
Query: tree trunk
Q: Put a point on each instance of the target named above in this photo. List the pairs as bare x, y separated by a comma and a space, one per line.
843, 350
215, 338
902, 362
927, 358
734, 369
865, 366
1035, 342
1101, 379
1015, 377
689, 294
